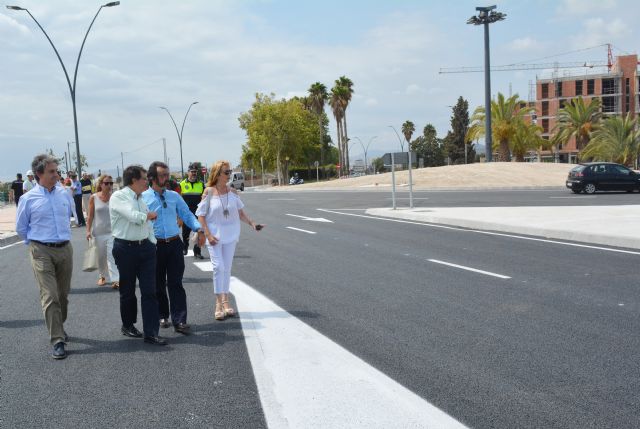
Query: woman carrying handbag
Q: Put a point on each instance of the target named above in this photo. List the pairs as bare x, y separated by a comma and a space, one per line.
99, 228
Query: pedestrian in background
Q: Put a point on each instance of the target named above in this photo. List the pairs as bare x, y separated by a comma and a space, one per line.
134, 250
17, 188
87, 190
99, 227
77, 198
30, 183
191, 190
169, 256
42, 221
219, 214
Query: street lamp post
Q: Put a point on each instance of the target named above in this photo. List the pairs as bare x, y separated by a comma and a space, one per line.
365, 149
486, 16
180, 131
399, 139
72, 88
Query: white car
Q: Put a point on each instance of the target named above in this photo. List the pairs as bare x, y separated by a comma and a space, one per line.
237, 180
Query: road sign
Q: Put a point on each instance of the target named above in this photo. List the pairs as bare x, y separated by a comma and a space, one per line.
316, 164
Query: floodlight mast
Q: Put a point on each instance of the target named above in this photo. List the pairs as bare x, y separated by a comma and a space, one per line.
487, 15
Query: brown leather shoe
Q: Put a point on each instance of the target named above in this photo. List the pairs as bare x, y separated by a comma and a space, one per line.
182, 328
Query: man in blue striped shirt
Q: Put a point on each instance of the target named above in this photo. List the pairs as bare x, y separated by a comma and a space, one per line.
42, 220
169, 206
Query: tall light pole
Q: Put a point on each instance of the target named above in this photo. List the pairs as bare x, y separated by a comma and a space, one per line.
399, 139
486, 16
365, 149
72, 88
181, 130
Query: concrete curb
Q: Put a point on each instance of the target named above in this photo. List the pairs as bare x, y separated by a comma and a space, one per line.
614, 240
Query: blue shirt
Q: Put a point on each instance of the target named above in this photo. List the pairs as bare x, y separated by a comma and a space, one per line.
77, 187
166, 225
45, 216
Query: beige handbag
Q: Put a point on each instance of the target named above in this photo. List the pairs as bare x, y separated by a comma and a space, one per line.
90, 262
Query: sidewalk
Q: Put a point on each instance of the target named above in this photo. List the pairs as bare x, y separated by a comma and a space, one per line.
607, 225
8, 225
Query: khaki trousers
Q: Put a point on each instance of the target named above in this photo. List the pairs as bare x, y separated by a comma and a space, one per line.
52, 267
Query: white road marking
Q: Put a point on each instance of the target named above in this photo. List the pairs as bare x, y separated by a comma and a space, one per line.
306, 380
499, 234
302, 230
572, 197
475, 270
406, 198
205, 266
18, 242
284, 199
312, 219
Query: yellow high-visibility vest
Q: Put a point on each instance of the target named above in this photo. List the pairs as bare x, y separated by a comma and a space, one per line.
188, 188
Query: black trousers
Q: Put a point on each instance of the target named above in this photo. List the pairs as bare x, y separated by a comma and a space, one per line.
185, 235
78, 200
137, 261
169, 272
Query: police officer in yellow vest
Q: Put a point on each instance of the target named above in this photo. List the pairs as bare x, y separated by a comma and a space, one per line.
191, 189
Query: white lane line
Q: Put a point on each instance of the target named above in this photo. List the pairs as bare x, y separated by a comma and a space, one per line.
302, 230
18, 242
306, 380
499, 234
312, 219
285, 199
207, 266
475, 270
406, 198
572, 197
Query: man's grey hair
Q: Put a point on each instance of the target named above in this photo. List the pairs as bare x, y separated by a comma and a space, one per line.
40, 162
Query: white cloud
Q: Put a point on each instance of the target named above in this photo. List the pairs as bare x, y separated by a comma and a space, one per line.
524, 44
573, 8
599, 31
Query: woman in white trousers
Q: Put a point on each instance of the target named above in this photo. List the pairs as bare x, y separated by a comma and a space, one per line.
99, 227
219, 214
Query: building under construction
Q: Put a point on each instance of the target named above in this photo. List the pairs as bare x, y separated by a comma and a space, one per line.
618, 89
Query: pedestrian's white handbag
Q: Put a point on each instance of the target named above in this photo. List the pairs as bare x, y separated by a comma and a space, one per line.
90, 262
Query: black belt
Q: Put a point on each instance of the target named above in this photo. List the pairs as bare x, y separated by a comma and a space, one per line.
132, 242
168, 240
58, 244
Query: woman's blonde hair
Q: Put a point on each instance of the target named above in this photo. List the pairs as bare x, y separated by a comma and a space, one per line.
100, 180
216, 171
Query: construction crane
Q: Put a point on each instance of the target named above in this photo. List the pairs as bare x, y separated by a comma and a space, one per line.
541, 66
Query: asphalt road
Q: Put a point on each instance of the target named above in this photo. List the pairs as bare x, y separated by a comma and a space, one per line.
551, 343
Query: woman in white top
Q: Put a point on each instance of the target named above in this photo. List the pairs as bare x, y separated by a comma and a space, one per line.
219, 214
99, 227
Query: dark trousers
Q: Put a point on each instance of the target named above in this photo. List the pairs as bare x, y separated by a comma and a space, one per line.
78, 200
169, 272
185, 236
137, 261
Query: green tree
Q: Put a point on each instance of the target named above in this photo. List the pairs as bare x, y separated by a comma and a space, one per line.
525, 139
428, 147
457, 141
407, 130
378, 165
507, 115
281, 131
616, 140
578, 119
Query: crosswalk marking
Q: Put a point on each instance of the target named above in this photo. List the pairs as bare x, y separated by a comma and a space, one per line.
306, 380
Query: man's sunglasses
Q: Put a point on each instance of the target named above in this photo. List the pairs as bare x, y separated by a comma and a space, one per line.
164, 202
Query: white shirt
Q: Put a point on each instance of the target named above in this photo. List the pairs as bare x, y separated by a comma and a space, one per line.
225, 228
128, 214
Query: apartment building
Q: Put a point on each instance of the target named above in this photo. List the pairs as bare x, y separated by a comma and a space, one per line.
618, 90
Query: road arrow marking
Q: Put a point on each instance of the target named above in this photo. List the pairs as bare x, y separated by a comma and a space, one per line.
312, 219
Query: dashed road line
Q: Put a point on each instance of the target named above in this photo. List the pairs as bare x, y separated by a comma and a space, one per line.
301, 230
475, 270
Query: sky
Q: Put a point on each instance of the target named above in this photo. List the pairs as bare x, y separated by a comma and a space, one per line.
144, 54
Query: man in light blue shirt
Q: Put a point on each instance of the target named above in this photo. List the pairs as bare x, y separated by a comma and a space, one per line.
42, 220
169, 205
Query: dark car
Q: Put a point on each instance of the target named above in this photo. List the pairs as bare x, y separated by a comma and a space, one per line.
602, 176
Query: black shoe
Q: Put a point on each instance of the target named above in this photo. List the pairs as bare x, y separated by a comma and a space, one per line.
66, 337
131, 331
185, 251
58, 351
182, 328
155, 340
199, 256
164, 323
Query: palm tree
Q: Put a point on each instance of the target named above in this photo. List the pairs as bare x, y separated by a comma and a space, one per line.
578, 120
346, 93
318, 97
338, 93
507, 115
407, 130
616, 140
526, 138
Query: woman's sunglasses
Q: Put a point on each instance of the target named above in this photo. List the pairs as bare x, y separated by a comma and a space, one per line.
227, 172
107, 183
